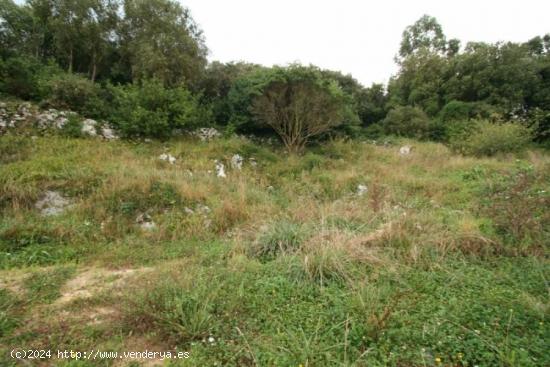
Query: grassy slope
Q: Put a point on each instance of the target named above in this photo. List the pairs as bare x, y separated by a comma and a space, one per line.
288, 267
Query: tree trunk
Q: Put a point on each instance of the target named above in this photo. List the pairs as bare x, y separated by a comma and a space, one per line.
94, 68
71, 61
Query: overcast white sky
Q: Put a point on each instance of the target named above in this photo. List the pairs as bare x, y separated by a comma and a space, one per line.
360, 37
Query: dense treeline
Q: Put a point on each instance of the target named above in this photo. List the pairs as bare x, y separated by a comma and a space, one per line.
142, 65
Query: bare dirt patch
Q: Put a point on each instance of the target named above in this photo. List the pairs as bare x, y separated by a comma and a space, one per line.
93, 281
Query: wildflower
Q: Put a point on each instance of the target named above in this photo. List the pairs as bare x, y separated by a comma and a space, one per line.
459, 355
437, 360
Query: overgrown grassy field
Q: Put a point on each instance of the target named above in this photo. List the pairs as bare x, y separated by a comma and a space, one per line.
442, 262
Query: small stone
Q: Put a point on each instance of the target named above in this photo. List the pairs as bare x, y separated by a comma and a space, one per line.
253, 162
206, 133
202, 209
237, 162
405, 150
167, 158
220, 170
362, 190
145, 222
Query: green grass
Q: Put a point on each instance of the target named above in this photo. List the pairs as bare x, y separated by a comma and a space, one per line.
442, 263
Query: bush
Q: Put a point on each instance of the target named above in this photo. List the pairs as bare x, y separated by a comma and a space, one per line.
18, 77
455, 110
461, 111
150, 109
407, 121
74, 92
299, 104
73, 127
260, 86
482, 138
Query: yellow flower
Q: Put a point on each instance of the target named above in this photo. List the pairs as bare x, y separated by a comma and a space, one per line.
459, 355
437, 360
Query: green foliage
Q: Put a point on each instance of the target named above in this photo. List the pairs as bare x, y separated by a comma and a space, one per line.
150, 109
19, 76
163, 42
299, 104
216, 83
425, 33
281, 237
74, 92
483, 138
407, 121
463, 111
372, 104
73, 127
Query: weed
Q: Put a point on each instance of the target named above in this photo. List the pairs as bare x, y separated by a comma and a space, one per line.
44, 286
279, 238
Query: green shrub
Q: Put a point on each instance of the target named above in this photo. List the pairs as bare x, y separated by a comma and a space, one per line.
455, 110
18, 77
150, 109
460, 111
482, 138
74, 92
407, 121
73, 127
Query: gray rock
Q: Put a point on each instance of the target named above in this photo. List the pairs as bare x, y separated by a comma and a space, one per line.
405, 150
108, 133
60, 122
89, 127
52, 203
206, 133
145, 222
362, 190
167, 158
237, 162
220, 170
